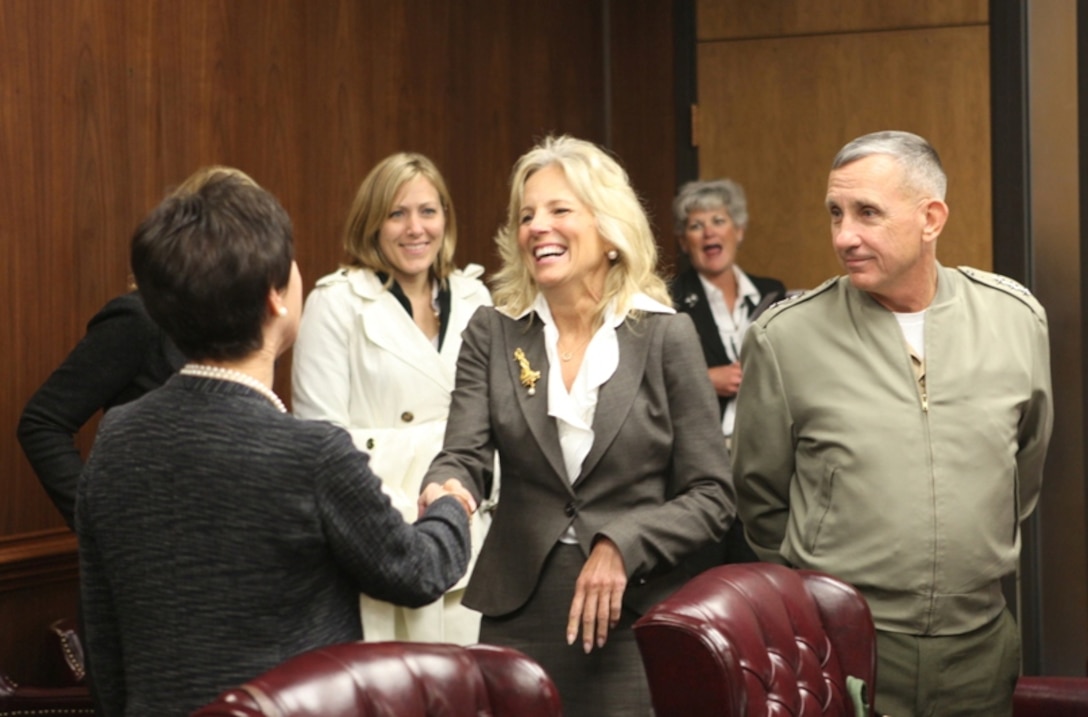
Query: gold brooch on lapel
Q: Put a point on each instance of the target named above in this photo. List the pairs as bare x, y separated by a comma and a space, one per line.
528, 376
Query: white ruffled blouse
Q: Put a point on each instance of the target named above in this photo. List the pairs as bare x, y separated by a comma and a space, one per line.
573, 411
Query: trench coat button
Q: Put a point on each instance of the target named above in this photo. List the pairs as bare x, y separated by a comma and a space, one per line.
569, 509
370, 444
407, 417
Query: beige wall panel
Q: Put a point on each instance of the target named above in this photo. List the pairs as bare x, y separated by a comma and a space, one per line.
733, 19
773, 113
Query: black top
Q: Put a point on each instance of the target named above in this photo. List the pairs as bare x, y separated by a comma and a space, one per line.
219, 537
443, 303
122, 356
689, 297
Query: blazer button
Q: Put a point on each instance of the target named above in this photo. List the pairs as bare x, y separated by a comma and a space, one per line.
407, 417
569, 509
370, 444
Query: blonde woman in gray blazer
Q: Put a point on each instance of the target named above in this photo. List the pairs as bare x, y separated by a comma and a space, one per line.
595, 395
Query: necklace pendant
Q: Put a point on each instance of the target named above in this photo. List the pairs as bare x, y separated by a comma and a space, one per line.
566, 355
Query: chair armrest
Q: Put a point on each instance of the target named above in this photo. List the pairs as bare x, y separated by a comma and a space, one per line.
1049, 696
54, 701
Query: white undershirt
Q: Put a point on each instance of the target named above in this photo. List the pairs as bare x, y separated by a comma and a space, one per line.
913, 326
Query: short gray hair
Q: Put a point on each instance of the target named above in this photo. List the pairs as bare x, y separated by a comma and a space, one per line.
920, 162
712, 194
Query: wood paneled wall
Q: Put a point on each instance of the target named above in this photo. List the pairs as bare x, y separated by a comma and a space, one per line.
782, 86
104, 104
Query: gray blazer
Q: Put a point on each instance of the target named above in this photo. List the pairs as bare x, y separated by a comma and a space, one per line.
656, 482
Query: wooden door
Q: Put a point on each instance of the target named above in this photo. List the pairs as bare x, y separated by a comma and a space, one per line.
782, 86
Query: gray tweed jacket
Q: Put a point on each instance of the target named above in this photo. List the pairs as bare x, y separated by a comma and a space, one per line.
219, 537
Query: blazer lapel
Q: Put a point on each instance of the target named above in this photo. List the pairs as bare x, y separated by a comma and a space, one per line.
528, 335
617, 394
387, 325
461, 311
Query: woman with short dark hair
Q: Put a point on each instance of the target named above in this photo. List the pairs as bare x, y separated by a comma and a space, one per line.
218, 534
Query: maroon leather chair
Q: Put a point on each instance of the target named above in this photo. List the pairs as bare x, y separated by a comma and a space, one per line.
67, 696
758, 639
1051, 697
395, 679
24, 701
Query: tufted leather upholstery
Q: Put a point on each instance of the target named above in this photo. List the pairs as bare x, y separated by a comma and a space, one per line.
395, 679
757, 639
67, 651
68, 696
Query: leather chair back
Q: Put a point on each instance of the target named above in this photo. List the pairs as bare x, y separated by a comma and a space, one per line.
755, 639
1050, 697
362, 679
66, 695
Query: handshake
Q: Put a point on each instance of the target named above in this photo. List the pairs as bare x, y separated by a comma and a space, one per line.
453, 487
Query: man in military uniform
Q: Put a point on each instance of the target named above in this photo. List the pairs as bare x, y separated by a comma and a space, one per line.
892, 429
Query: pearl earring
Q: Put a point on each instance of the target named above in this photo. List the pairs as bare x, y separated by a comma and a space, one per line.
282, 311
612, 255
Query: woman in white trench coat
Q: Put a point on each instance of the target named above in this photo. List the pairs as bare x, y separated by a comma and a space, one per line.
377, 352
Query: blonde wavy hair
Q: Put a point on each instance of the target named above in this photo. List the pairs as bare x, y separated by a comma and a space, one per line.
602, 185
374, 200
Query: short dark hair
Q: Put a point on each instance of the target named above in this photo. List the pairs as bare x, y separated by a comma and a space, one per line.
204, 262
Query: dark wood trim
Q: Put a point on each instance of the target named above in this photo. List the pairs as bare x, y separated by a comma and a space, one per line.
1082, 170
1012, 256
1009, 138
687, 155
687, 96
32, 559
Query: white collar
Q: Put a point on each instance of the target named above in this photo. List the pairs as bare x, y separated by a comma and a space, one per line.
639, 302
746, 290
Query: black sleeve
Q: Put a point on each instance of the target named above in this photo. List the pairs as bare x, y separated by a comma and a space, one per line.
107, 367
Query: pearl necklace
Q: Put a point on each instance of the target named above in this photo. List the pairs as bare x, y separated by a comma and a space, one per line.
219, 373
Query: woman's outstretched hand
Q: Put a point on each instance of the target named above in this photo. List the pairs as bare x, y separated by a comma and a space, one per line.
451, 487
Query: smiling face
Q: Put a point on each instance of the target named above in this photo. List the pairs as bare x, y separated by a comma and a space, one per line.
710, 240
412, 233
884, 233
558, 236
